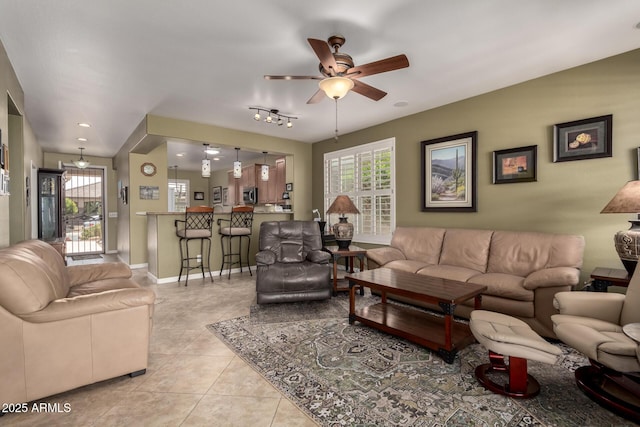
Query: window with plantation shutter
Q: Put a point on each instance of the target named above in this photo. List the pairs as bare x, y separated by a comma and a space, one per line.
366, 174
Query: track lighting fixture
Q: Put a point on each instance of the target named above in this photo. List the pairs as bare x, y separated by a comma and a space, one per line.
273, 116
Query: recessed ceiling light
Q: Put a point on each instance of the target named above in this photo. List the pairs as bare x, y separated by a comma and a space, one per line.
84, 125
82, 139
212, 151
401, 104
180, 155
216, 158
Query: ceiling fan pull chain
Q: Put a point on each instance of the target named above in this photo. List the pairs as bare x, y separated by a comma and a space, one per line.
336, 137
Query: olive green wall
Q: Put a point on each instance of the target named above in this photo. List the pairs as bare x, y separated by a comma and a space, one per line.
15, 218
567, 197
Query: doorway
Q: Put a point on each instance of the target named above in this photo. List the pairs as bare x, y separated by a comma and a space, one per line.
84, 211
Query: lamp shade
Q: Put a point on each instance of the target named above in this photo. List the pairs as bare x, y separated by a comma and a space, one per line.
336, 87
342, 205
626, 200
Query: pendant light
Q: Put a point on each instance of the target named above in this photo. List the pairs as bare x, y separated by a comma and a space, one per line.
264, 169
81, 163
206, 163
237, 166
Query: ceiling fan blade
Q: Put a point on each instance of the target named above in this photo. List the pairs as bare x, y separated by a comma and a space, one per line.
382, 66
317, 97
267, 77
322, 50
368, 91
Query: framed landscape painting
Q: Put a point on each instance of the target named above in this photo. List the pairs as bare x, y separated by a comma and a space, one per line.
515, 165
449, 173
582, 139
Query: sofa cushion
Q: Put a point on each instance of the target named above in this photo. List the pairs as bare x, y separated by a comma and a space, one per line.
419, 243
450, 272
521, 253
503, 285
466, 248
407, 265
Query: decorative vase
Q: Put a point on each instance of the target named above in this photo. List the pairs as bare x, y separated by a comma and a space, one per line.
343, 231
628, 246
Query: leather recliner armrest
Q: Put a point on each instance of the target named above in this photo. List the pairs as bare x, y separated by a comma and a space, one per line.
266, 258
79, 274
596, 305
319, 257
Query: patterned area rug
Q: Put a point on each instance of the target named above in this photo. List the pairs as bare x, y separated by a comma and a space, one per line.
343, 374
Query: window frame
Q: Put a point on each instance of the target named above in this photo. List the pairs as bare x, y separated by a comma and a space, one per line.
172, 206
331, 191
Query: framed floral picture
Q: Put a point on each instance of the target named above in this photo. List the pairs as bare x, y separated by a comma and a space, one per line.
449, 173
583, 139
515, 165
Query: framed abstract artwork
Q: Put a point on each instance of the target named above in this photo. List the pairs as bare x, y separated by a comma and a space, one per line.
449, 173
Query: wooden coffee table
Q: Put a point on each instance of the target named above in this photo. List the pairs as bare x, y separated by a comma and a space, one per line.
441, 334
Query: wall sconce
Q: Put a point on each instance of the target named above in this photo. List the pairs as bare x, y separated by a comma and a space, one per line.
264, 169
273, 116
206, 163
237, 166
81, 163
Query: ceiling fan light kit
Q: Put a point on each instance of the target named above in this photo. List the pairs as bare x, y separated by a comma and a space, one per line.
336, 87
338, 67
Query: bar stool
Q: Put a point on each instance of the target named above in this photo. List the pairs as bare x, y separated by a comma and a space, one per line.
197, 225
238, 225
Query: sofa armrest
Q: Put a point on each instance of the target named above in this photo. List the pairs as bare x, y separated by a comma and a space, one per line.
383, 255
597, 305
550, 277
266, 258
79, 274
84, 305
319, 257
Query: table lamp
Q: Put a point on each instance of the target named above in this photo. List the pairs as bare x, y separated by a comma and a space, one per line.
343, 230
627, 200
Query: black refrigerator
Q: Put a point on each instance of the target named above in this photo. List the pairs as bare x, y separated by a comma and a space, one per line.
51, 204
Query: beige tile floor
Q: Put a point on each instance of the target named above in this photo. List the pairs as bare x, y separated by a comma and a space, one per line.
193, 379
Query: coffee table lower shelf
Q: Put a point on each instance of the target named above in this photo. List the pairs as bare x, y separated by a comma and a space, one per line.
417, 326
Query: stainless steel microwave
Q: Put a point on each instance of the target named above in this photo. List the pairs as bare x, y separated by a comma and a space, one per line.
250, 195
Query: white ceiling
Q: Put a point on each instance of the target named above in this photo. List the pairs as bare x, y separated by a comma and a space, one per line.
110, 62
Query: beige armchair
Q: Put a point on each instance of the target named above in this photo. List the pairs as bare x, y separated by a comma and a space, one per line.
65, 327
592, 323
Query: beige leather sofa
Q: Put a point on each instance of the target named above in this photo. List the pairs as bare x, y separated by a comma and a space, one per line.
65, 327
522, 270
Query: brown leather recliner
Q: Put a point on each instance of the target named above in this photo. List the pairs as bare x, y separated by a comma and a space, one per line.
291, 263
65, 327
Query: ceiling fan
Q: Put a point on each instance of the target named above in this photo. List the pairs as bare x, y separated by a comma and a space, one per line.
339, 71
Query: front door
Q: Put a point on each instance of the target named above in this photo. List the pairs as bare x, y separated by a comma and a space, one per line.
84, 215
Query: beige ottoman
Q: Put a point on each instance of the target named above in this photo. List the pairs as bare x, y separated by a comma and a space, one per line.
503, 336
